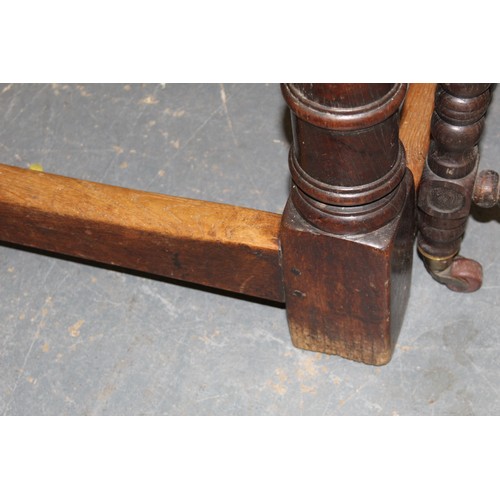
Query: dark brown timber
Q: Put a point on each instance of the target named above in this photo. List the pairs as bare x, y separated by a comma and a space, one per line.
447, 186
348, 228
217, 245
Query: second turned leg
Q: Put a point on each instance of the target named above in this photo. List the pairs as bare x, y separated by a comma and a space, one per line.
447, 188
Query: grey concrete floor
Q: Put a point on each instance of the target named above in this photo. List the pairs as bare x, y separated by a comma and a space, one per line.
78, 339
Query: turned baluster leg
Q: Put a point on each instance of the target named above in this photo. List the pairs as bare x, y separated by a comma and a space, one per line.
447, 187
348, 228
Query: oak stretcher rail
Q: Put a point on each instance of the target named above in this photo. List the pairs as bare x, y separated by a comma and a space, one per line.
223, 246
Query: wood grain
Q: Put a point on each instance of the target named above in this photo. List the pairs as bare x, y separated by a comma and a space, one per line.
415, 127
216, 245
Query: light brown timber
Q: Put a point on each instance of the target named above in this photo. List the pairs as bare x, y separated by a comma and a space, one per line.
216, 245
415, 126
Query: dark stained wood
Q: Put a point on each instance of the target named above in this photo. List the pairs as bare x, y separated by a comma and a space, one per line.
216, 245
486, 192
348, 228
447, 186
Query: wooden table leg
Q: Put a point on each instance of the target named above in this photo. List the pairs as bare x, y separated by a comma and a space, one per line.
348, 229
447, 188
